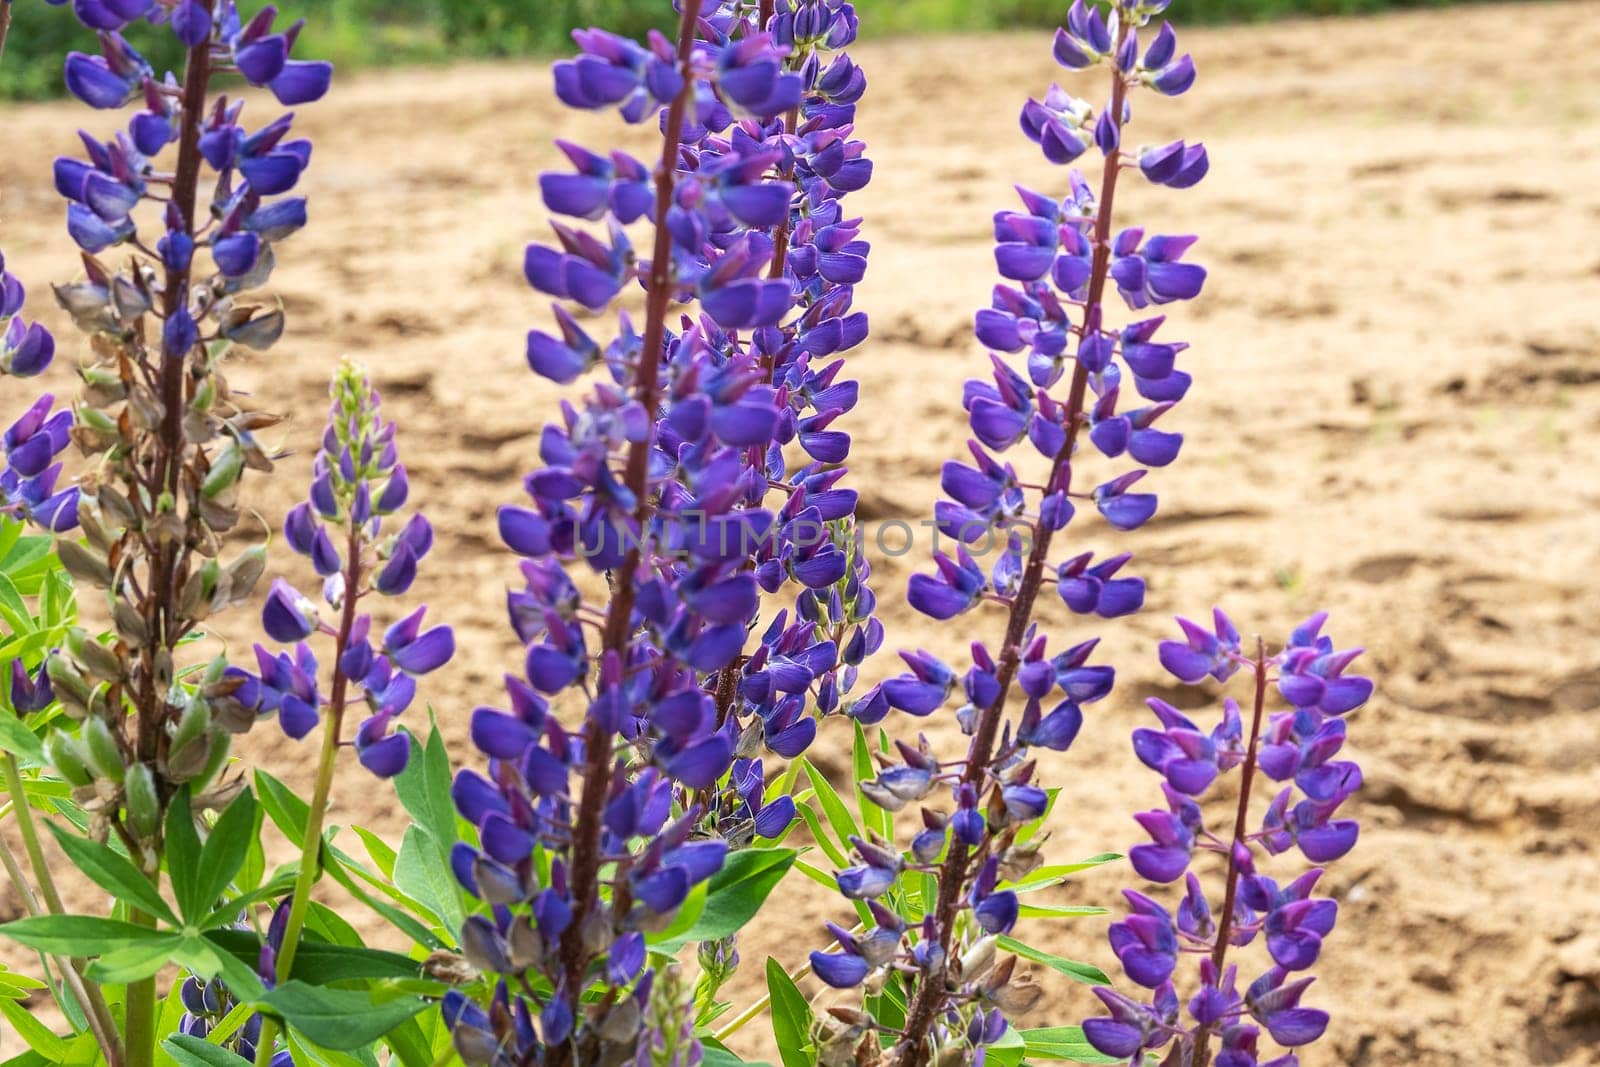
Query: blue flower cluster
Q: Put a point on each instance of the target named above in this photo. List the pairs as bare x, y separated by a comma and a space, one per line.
358, 488
701, 473
1296, 747
1059, 258
33, 442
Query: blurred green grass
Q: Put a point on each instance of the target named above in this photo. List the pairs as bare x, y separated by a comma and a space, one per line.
359, 33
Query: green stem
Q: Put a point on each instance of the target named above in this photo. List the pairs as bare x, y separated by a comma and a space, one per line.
311, 846
140, 1009
90, 1002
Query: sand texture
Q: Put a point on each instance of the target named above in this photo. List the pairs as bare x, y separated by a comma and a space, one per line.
1396, 416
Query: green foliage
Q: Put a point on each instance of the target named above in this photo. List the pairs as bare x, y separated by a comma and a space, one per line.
356, 33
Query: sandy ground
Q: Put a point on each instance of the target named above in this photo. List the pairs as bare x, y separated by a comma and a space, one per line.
1397, 404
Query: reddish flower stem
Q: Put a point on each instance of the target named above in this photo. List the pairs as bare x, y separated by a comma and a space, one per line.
618, 628
161, 606
913, 1046
1219, 952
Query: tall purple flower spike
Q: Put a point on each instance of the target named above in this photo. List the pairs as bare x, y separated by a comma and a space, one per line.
702, 473
1296, 747
351, 528
1061, 258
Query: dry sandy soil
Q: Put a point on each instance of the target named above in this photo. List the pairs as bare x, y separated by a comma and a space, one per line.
1396, 413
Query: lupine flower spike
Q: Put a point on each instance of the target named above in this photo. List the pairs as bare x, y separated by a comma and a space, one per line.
1297, 747
679, 477
351, 528
1060, 258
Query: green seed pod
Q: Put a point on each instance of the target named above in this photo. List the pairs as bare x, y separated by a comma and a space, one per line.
144, 809
216, 760
186, 761
69, 684
105, 756
225, 471
204, 396
84, 563
68, 757
92, 656
97, 420
245, 572
194, 723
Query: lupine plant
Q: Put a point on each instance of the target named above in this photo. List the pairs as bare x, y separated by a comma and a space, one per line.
694, 606
936, 940
699, 473
1296, 747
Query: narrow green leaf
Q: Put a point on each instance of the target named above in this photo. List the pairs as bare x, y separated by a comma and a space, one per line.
76, 935
410, 1045
17, 739
284, 807
39, 1037
1086, 973
112, 872
424, 789
339, 1019
714, 1054
1058, 911
839, 816
820, 835
737, 891
1053, 874
225, 850
197, 1052
873, 817
1062, 1043
791, 1017
378, 850
319, 963
133, 963
183, 855
422, 874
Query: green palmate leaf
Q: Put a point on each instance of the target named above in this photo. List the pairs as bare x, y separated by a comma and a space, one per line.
839, 817
1078, 972
1008, 1051
18, 740
183, 856
76, 935
286, 810
15, 986
737, 891
225, 850
1062, 1043
339, 1019
423, 874
791, 1017
197, 1052
114, 873
13, 608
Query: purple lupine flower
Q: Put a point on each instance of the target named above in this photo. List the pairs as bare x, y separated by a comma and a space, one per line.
1291, 923
707, 511
1061, 259
350, 530
30, 476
